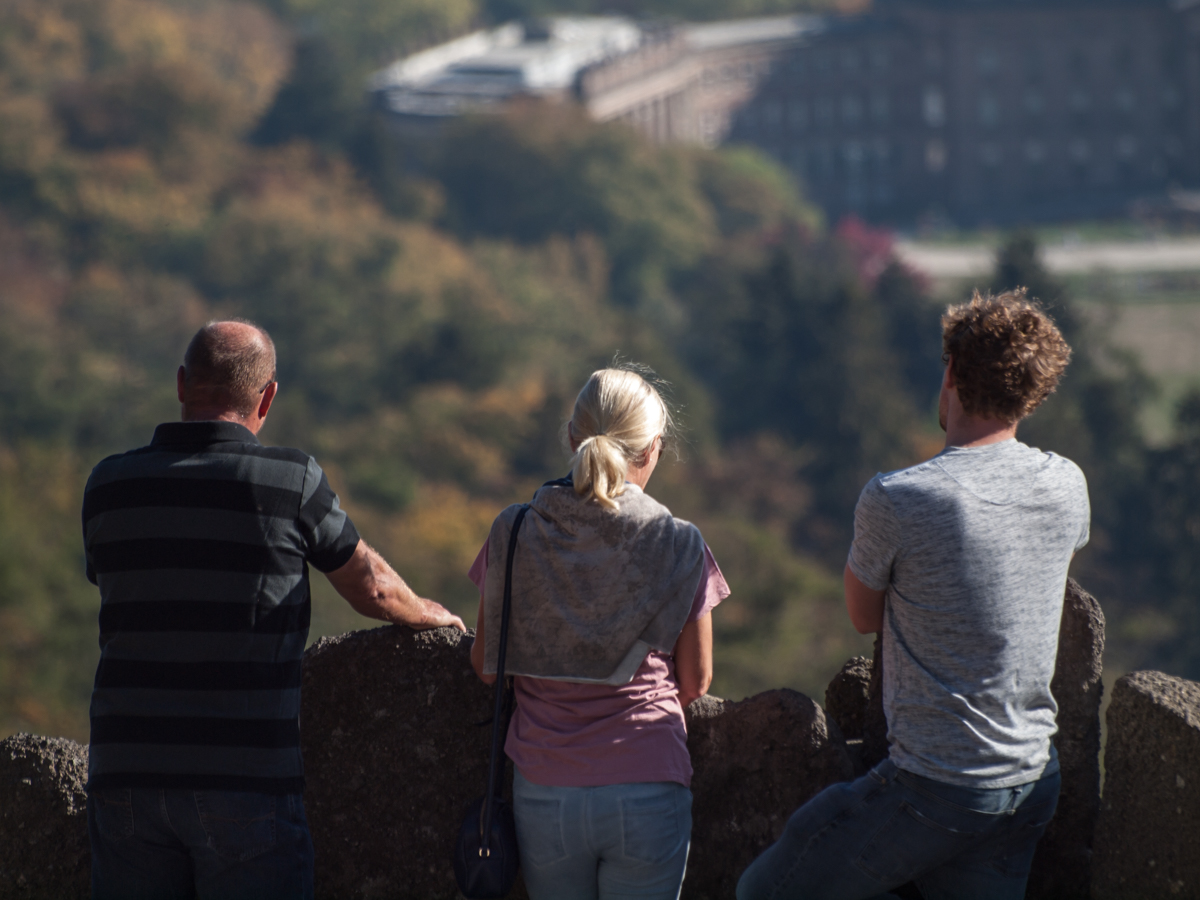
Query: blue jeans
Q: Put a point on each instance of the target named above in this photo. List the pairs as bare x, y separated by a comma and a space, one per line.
153, 844
862, 838
603, 843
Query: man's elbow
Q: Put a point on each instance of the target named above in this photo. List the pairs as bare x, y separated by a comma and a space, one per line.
366, 600
864, 604
866, 624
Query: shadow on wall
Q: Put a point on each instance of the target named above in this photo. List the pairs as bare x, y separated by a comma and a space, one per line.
395, 746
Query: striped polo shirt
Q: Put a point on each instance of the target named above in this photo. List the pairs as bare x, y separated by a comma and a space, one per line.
200, 544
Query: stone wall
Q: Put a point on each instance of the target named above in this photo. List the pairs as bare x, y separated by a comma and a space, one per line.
43, 819
1148, 836
395, 747
395, 743
395, 732
755, 763
1062, 866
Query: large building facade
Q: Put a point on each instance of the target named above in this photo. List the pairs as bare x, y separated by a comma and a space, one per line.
988, 110
979, 110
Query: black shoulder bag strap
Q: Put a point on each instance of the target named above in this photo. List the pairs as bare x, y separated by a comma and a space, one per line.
503, 704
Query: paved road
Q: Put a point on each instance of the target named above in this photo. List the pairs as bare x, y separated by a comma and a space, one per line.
1168, 255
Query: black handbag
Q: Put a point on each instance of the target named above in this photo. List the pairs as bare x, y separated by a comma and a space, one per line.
485, 857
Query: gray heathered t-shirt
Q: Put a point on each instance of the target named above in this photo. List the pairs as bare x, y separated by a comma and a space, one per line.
972, 547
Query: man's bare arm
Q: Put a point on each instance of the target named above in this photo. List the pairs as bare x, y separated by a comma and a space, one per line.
374, 590
864, 604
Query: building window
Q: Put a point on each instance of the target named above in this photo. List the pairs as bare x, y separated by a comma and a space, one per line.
988, 61
772, 114
1080, 104
883, 170
797, 159
933, 106
936, 156
824, 111
854, 156
880, 108
1123, 60
798, 115
852, 110
1126, 150
1080, 151
822, 160
1078, 63
989, 110
1033, 64
883, 153
1035, 169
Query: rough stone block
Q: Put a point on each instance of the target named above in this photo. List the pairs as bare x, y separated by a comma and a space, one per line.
875, 729
395, 747
847, 696
756, 761
854, 700
1062, 866
1148, 834
394, 750
43, 819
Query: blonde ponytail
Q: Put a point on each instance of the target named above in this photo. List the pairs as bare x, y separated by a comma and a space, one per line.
617, 416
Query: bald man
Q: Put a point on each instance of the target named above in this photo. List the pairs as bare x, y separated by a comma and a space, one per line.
200, 544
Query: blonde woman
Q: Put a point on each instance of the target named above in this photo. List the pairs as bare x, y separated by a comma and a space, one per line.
610, 637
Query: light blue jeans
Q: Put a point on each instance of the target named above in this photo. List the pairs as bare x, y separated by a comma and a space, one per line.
603, 843
862, 838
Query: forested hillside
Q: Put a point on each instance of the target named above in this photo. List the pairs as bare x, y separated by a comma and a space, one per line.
163, 162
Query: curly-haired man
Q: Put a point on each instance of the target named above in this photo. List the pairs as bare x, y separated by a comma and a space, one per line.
961, 563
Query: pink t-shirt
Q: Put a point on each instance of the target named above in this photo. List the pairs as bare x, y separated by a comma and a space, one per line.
567, 734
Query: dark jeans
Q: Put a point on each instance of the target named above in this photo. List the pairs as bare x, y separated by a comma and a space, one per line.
861, 839
153, 844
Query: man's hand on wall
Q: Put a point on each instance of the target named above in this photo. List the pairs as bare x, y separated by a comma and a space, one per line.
373, 589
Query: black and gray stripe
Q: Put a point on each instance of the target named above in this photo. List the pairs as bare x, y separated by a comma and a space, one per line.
199, 543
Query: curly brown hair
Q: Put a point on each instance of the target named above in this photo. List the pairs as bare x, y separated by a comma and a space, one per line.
1006, 352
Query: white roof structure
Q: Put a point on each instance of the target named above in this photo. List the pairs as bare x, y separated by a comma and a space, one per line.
739, 32
486, 67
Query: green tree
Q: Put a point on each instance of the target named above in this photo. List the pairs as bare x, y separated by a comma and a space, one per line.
1163, 543
540, 170
790, 341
